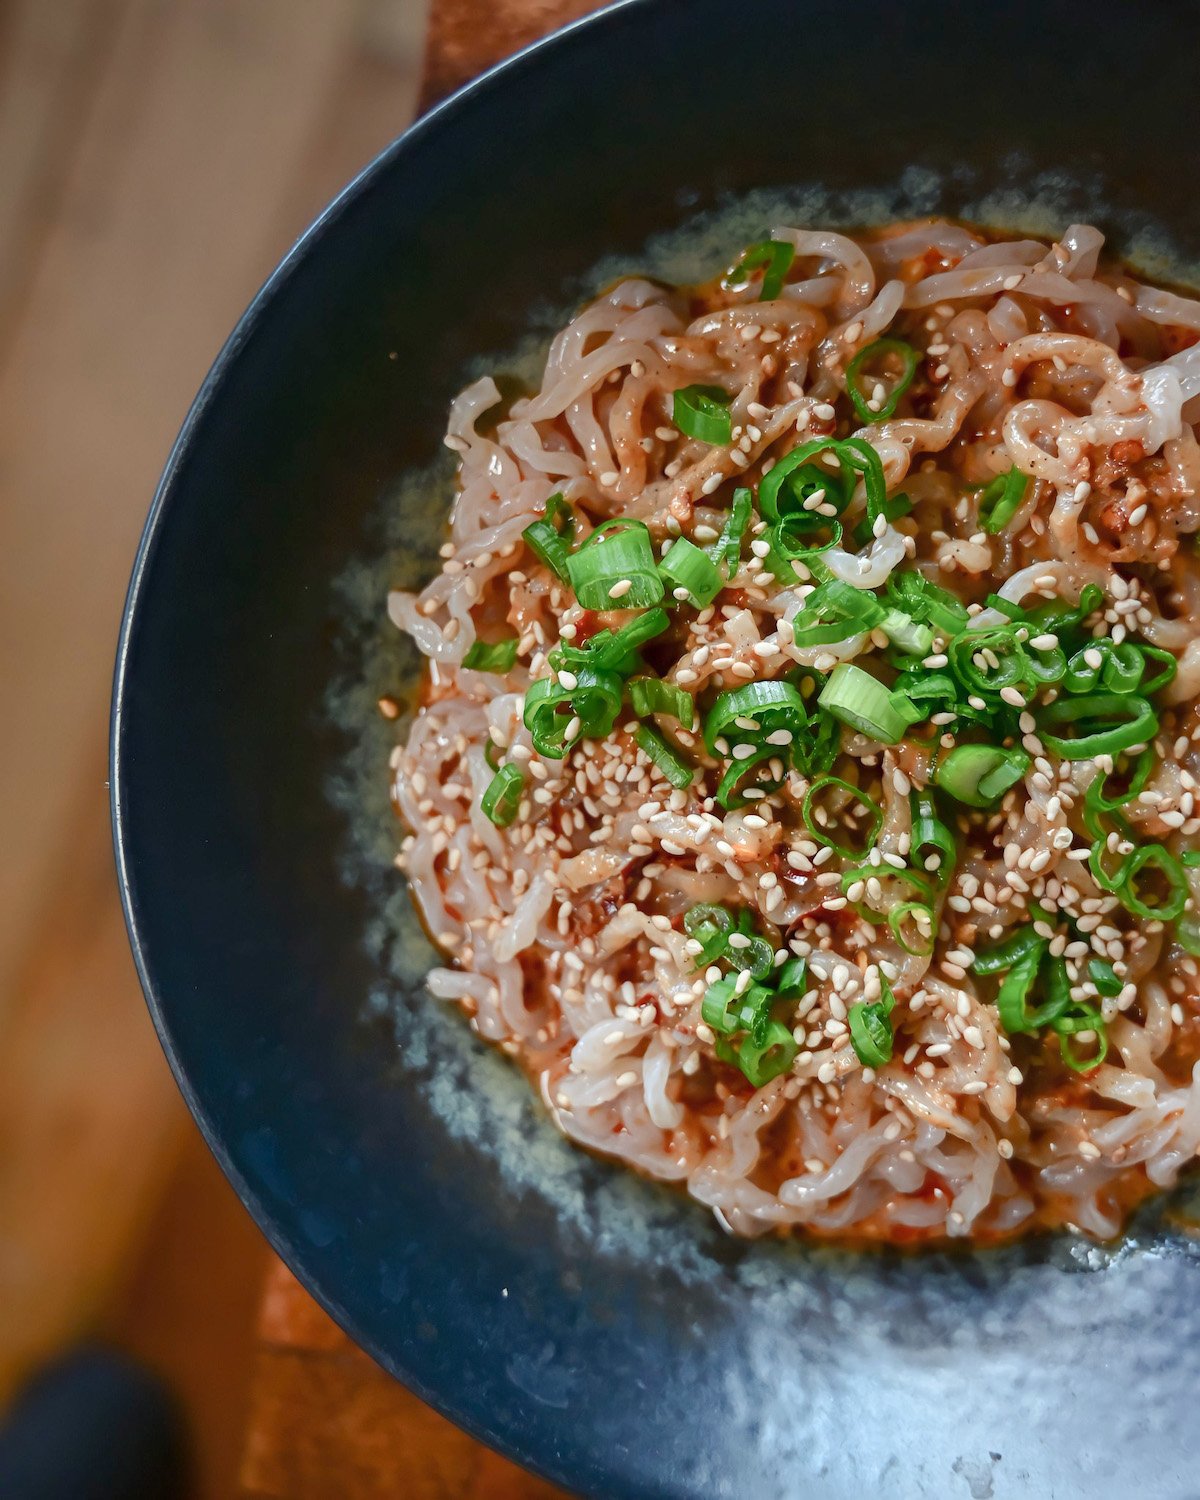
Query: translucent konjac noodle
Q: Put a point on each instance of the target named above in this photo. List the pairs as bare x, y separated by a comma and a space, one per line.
804, 787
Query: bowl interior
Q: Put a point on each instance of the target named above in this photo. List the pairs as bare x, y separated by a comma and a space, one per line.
598, 1328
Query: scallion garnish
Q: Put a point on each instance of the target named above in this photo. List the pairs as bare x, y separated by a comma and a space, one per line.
687, 568
1082, 1018
492, 656
550, 540
871, 1032
614, 651
796, 485
919, 917
979, 775
502, 797
776, 256
1097, 802
763, 1059
710, 926
591, 704
931, 839
702, 412
665, 756
882, 349
754, 776
1110, 722
727, 549
773, 705
862, 702
916, 596
1001, 499
1175, 893
615, 568
1104, 977
651, 695
821, 830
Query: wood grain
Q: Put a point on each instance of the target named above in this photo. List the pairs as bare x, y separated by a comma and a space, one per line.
156, 159
326, 1421
468, 36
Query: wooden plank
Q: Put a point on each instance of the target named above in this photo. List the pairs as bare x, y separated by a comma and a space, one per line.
168, 214
466, 36
52, 58
325, 1419
168, 222
89, 1116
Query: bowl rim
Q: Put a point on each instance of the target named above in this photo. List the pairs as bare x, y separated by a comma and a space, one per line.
498, 76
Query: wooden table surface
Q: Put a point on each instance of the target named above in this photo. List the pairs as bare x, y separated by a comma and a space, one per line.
325, 1422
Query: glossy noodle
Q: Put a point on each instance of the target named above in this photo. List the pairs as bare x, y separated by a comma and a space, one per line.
803, 792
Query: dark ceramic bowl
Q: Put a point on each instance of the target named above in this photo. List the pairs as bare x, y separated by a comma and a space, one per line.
596, 1328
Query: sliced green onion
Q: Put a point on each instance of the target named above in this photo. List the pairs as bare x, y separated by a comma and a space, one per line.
922, 918
776, 256
758, 957
1057, 617
1104, 977
871, 1031
549, 548
897, 348
702, 411
493, 656
979, 775
1010, 951
1001, 643
1082, 1018
595, 701
561, 516
821, 833
1169, 668
862, 702
734, 791
1158, 858
913, 637
727, 548
797, 478
1187, 935
794, 540
610, 651
687, 567
668, 760
816, 745
1001, 500
791, 980
917, 596
1096, 802
615, 569
550, 540
651, 695
1110, 721
1118, 669
930, 833
492, 753
715, 1008
710, 926
1012, 1001
761, 1061
502, 797
772, 705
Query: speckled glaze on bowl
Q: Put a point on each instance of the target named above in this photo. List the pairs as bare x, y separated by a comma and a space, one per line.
595, 1327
